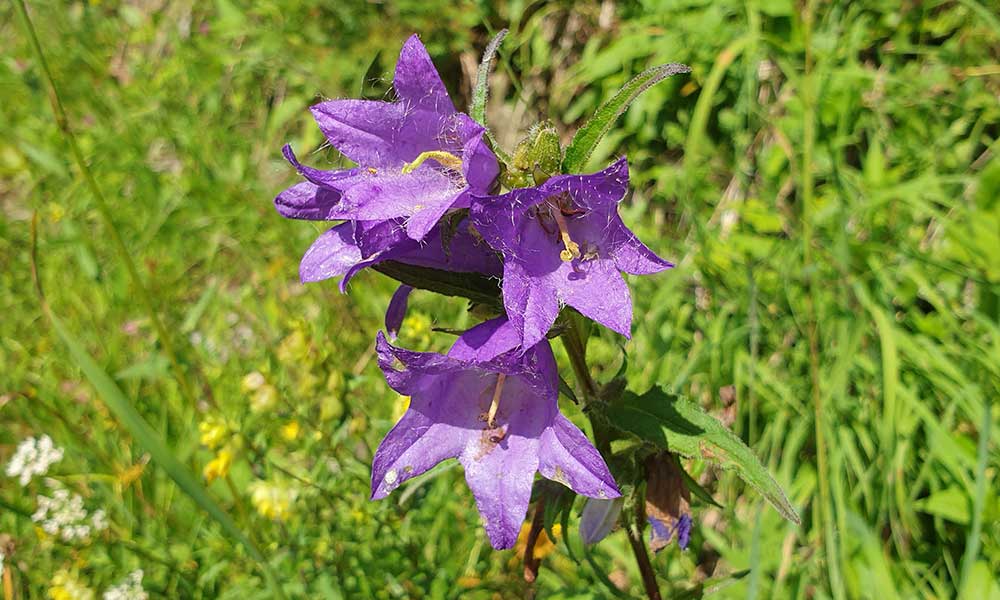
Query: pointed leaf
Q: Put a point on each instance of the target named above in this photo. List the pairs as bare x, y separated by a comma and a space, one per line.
481, 92
681, 426
588, 136
478, 288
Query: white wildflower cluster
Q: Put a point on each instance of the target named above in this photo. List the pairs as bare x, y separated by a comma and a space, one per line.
63, 515
129, 589
33, 457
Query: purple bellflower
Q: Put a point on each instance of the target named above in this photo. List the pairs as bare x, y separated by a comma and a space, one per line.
417, 158
499, 418
563, 242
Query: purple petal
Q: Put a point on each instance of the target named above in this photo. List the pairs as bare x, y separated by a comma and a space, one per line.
659, 532
501, 483
500, 474
331, 255
406, 370
373, 237
502, 222
338, 180
599, 518
532, 303
479, 164
391, 195
417, 81
397, 310
427, 217
631, 255
598, 291
306, 200
417, 442
486, 341
595, 191
379, 134
567, 456
684, 531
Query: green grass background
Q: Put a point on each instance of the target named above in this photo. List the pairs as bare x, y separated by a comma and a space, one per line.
826, 180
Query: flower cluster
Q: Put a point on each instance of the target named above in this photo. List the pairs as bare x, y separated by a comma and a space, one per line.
428, 192
273, 500
63, 514
129, 589
33, 457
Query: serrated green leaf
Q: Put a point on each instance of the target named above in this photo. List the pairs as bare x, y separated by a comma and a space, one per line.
588, 136
681, 426
147, 437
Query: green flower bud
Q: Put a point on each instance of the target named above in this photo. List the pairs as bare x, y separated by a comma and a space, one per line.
539, 154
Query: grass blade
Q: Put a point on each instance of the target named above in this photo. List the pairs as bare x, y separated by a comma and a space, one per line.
143, 433
972, 542
588, 136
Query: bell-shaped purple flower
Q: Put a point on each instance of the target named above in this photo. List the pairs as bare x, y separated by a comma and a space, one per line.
417, 158
499, 418
563, 242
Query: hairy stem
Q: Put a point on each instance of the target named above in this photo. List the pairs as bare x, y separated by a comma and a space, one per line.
577, 351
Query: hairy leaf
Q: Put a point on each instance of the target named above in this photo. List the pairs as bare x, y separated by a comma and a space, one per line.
478, 288
681, 426
481, 92
588, 136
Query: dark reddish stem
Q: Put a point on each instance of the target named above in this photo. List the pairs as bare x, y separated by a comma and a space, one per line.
642, 558
532, 564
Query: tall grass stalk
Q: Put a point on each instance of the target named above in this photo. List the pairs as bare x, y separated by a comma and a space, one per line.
62, 121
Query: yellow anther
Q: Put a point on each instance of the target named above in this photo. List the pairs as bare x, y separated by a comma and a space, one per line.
495, 405
572, 249
449, 161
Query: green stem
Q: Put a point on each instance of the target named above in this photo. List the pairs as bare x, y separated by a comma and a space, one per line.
824, 521
576, 349
62, 121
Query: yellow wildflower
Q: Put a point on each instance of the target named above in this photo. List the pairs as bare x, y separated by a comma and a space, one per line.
66, 586
290, 431
417, 329
213, 433
272, 500
218, 466
543, 545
